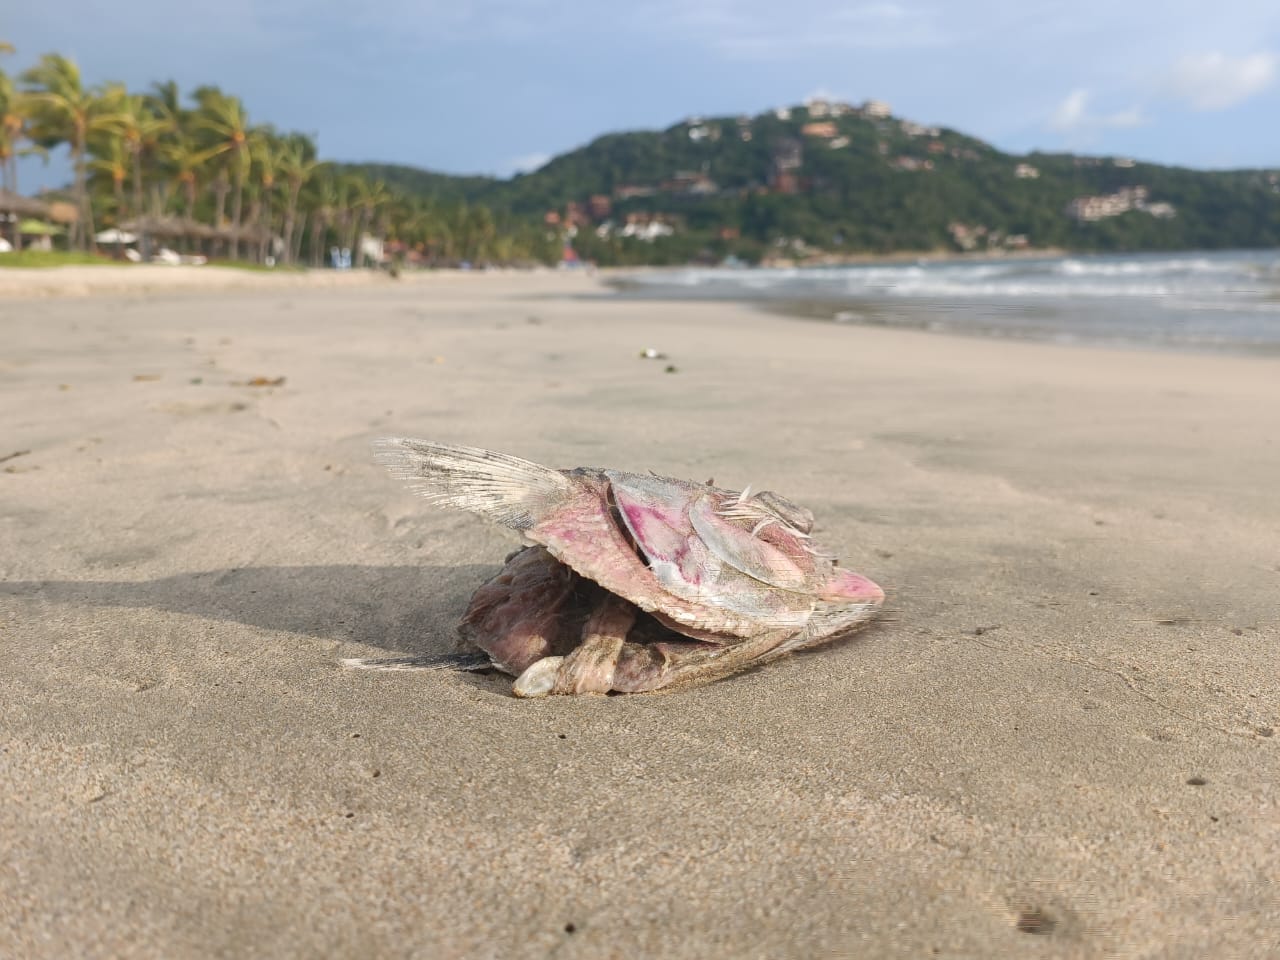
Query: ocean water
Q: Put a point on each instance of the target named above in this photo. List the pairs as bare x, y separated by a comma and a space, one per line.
1194, 301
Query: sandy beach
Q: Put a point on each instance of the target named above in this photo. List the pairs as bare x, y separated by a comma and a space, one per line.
27, 283
1059, 740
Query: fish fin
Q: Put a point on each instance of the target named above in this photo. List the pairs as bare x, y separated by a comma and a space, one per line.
745, 551
507, 489
447, 661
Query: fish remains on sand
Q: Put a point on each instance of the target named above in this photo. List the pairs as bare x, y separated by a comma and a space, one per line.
633, 582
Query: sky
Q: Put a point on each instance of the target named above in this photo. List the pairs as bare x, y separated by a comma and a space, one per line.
499, 86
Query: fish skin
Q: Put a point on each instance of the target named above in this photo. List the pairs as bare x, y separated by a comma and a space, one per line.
726, 569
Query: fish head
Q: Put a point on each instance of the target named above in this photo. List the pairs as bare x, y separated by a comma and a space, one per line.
852, 588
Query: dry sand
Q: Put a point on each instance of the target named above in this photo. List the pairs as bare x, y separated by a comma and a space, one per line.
1059, 740
142, 279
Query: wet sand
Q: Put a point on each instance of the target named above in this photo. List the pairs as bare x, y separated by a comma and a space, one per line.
1060, 739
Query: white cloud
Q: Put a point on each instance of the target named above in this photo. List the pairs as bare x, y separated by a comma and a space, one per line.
1071, 112
525, 163
1132, 117
758, 30
1214, 81
1073, 116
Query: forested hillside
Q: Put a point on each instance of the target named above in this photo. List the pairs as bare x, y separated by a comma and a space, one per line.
830, 179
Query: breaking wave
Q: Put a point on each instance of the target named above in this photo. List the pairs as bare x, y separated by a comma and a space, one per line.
1203, 299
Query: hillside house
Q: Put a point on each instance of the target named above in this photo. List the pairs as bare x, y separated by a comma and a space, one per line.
692, 183
823, 129
1108, 205
600, 206
646, 227
574, 215
817, 107
788, 154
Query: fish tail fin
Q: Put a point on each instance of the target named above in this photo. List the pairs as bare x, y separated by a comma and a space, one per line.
446, 661
499, 487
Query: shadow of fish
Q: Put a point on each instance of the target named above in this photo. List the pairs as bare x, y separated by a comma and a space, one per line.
632, 582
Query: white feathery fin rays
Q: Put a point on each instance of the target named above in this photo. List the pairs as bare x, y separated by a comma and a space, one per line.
503, 488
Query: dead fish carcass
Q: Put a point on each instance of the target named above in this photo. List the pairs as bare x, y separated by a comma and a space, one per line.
634, 582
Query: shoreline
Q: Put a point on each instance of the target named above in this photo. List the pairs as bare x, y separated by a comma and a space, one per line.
927, 256
1213, 303
92, 280
962, 318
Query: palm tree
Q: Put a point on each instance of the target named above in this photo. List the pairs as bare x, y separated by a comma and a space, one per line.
112, 159
139, 131
369, 198
344, 210
297, 164
224, 119
323, 215
13, 122
268, 163
165, 100
63, 111
185, 161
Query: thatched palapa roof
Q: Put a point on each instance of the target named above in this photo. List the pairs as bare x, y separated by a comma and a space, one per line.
168, 227
11, 202
183, 227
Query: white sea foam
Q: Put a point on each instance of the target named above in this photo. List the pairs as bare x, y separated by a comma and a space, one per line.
1228, 298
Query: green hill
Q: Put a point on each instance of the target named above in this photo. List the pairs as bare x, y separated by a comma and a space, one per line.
443, 187
830, 180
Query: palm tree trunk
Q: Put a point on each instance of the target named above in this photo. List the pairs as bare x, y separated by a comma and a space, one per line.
319, 234
237, 205
295, 255
82, 232
220, 188
298, 237
290, 215
381, 228
255, 220
117, 188
189, 214
12, 179
268, 223
348, 229
137, 184
359, 244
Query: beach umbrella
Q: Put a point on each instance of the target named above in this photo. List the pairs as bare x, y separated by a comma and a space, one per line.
38, 228
114, 235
